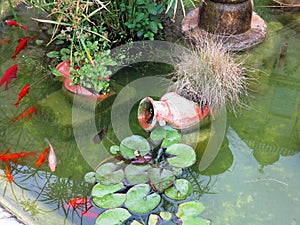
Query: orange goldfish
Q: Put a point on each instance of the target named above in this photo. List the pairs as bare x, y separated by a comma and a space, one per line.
42, 157
8, 174
24, 114
5, 152
15, 156
24, 91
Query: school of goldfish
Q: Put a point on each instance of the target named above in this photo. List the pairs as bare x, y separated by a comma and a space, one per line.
11, 73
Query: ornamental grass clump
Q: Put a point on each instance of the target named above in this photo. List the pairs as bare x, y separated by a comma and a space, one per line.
209, 74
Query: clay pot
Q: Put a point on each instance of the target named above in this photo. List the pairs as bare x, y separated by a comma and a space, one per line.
225, 17
64, 69
171, 109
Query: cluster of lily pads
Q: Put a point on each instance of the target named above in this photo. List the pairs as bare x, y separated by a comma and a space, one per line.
140, 172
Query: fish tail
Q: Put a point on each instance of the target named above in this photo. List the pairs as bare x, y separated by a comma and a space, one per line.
17, 104
46, 139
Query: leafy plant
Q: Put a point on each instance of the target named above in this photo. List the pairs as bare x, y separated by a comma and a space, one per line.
90, 67
143, 18
136, 183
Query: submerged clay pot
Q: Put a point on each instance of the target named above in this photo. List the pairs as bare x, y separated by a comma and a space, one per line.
171, 109
225, 17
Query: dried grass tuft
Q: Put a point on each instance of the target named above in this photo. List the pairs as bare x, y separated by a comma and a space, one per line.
210, 75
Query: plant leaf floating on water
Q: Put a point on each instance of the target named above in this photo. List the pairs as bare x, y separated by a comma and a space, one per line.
140, 201
168, 134
113, 216
181, 189
135, 223
105, 197
134, 146
188, 213
154, 219
161, 179
182, 155
90, 177
137, 174
165, 215
114, 149
109, 173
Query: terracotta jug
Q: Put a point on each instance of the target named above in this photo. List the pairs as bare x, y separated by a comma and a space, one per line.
171, 109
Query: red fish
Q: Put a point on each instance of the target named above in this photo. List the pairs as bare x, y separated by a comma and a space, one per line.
77, 202
22, 94
18, 155
13, 23
8, 174
42, 157
9, 75
5, 152
24, 114
22, 45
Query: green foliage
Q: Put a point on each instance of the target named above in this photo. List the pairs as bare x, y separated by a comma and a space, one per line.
93, 74
146, 174
143, 18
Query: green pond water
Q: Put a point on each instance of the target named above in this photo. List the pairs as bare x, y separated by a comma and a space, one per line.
254, 178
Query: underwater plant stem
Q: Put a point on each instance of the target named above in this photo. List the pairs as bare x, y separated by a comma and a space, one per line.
13, 11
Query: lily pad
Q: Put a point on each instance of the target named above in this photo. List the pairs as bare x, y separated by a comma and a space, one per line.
114, 149
158, 134
154, 219
137, 174
135, 223
181, 189
100, 190
109, 173
165, 215
90, 177
134, 146
161, 178
140, 201
182, 155
189, 209
168, 134
105, 196
115, 216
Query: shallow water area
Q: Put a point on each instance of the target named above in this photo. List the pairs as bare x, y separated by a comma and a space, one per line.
254, 178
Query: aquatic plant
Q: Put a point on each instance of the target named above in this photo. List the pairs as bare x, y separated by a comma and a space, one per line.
210, 75
148, 172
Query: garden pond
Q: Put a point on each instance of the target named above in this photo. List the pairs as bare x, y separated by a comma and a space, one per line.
253, 179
